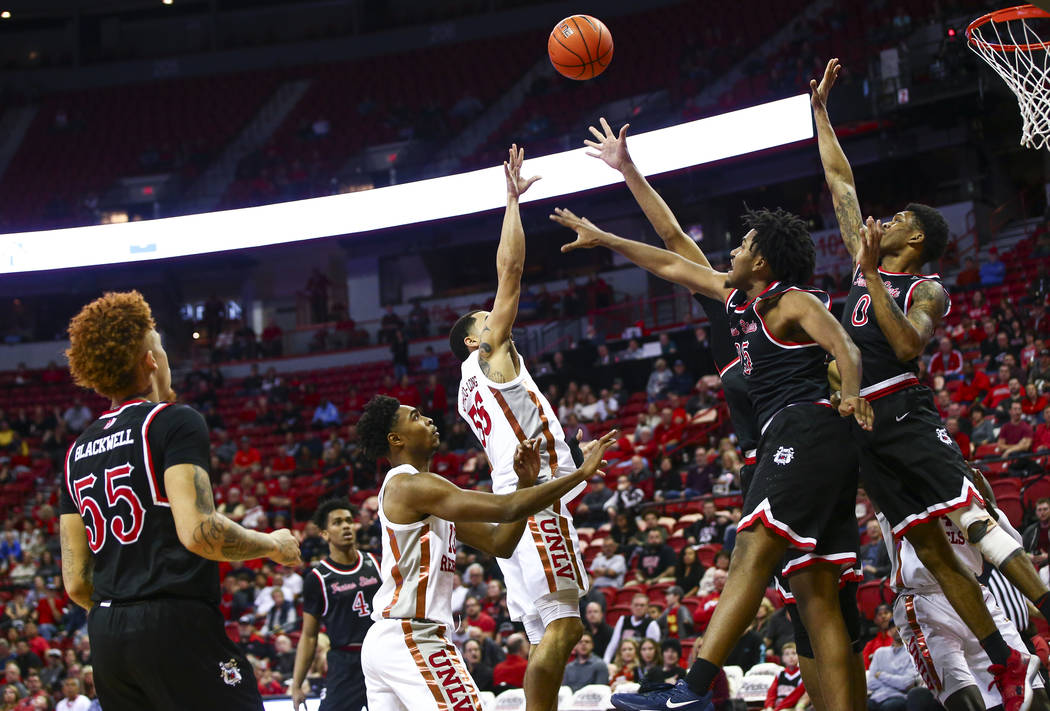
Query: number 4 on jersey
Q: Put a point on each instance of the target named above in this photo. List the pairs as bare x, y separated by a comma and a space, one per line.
360, 605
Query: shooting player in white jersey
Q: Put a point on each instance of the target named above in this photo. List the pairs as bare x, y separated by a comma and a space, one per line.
503, 406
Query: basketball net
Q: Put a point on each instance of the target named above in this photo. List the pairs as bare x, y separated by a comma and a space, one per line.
1007, 40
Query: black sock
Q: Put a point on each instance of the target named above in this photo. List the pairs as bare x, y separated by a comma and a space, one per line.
702, 674
1043, 605
996, 647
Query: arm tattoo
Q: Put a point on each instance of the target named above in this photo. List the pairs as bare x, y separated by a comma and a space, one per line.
929, 299
202, 485
847, 212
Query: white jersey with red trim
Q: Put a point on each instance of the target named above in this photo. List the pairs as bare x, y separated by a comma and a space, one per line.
418, 566
503, 414
908, 572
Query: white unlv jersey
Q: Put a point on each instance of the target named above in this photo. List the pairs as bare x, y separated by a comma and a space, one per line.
909, 573
419, 566
503, 414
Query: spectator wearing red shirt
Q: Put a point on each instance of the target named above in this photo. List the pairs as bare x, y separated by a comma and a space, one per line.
1041, 437
246, 457
48, 608
969, 276
407, 393
975, 384
511, 671
37, 643
435, 398
1030, 351
1034, 403
1015, 435
445, 463
787, 689
883, 619
268, 686
475, 617
960, 437
1000, 389
979, 308
272, 339
947, 361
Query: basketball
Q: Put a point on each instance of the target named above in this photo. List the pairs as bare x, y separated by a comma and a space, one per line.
580, 47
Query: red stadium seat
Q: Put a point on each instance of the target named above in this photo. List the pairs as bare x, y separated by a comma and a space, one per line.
616, 612
872, 594
705, 554
1038, 488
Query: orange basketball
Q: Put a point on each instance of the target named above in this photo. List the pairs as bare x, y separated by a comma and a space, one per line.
580, 47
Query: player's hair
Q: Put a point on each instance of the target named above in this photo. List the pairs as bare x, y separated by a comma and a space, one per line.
934, 229
106, 340
375, 424
783, 240
327, 507
459, 331
787, 646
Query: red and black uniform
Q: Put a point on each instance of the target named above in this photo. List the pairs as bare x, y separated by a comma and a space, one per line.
786, 690
805, 481
911, 466
157, 635
341, 598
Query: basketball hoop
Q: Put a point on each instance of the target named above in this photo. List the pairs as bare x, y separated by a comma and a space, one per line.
1008, 41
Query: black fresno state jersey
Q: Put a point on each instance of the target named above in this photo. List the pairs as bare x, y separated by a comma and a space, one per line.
882, 371
734, 384
114, 480
342, 598
779, 373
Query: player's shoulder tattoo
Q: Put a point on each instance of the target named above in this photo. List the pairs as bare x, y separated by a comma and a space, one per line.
931, 297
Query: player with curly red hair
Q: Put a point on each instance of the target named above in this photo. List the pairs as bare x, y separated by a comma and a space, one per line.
140, 533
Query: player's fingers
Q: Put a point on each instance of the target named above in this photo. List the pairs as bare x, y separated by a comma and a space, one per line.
813, 85
530, 181
597, 134
592, 144
605, 125
623, 131
593, 154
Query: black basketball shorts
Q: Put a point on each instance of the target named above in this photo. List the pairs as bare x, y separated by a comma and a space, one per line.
805, 480
344, 688
168, 655
909, 464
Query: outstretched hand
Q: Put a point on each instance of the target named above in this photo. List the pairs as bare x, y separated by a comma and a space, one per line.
527, 462
593, 452
516, 185
610, 148
819, 92
870, 246
587, 233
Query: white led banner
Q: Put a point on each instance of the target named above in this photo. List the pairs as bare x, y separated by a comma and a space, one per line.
690, 144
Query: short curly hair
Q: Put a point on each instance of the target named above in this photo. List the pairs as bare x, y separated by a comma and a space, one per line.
321, 515
106, 340
375, 424
783, 240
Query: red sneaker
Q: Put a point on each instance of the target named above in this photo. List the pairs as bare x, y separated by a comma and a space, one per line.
1014, 680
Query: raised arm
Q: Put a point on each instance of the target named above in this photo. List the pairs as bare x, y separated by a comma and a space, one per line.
510, 259
813, 318
411, 498
661, 262
78, 565
209, 534
612, 149
907, 333
837, 170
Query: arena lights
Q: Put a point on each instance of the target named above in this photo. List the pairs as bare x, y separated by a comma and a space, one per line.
5, 15
690, 144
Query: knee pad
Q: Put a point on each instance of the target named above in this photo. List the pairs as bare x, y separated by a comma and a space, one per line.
969, 516
997, 546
